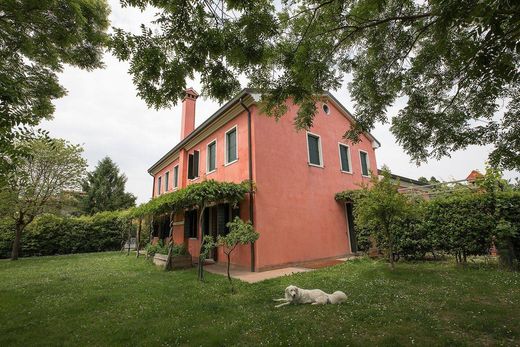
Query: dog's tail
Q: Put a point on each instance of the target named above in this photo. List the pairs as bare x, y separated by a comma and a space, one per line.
337, 297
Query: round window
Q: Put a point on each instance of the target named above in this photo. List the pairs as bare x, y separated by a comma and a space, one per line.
326, 109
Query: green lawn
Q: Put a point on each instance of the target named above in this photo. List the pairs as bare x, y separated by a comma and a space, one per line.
112, 299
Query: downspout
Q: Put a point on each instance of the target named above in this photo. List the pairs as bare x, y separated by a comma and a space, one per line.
153, 186
251, 192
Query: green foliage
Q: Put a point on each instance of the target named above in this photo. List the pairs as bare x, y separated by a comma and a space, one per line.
462, 225
161, 248
36, 39
105, 189
38, 183
196, 194
240, 233
507, 232
380, 209
51, 234
454, 62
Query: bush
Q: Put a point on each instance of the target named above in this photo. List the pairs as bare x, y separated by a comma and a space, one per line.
161, 248
461, 225
507, 235
51, 234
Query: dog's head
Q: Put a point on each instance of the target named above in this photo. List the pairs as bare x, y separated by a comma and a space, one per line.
291, 292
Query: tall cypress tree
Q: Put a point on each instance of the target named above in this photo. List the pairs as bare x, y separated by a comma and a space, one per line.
104, 189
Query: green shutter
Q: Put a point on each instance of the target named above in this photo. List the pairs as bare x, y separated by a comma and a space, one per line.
190, 166
175, 176
231, 144
343, 152
195, 164
211, 157
364, 163
314, 149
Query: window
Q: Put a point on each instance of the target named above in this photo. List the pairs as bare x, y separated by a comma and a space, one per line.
326, 108
365, 165
231, 146
344, 157
211, 161
166, 180
159, 180
190, 224
175, 176
314, 150
193, 165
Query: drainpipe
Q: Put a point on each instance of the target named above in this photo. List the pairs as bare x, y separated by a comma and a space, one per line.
251, 193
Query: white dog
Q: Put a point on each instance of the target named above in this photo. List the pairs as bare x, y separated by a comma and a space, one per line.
295, 295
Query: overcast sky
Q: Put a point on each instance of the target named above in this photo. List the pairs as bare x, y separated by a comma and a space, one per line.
103, 113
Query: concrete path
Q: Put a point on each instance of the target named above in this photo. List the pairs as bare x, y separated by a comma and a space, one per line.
252, 277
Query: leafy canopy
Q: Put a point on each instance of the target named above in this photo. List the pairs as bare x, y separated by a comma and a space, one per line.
194, 195
452, 63
37, 38
104, 189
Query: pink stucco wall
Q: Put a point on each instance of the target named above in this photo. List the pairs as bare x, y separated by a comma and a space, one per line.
296, 212
234, 172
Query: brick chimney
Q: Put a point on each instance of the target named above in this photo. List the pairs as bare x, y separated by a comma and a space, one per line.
188, 112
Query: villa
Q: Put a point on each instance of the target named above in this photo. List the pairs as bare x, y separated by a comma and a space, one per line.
296, 176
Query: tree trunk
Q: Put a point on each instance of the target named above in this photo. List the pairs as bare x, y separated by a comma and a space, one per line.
202, 256
138, 236
169, 259
390, 247
129, 238
228, 272
17, 239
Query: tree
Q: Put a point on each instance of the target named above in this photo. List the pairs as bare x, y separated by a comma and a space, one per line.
105, 189
37, 183
240, 233
36, 39
453, 62
379, 210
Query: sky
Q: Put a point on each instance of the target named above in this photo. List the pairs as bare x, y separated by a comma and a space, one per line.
103, 113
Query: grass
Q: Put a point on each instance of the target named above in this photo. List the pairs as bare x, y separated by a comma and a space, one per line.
111, 299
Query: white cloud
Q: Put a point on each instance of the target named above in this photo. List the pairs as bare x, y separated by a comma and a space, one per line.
103, 113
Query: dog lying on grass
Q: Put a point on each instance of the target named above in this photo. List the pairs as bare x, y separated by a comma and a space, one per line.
295, 295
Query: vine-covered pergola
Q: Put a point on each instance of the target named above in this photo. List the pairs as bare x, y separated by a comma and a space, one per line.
197, 195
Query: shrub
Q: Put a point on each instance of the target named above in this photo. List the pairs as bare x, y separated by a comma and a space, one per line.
507, 232
52, 234
461, 225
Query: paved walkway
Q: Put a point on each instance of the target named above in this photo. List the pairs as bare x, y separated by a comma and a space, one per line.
252, 277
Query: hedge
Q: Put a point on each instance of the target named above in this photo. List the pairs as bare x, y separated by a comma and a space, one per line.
51, 234
460, 224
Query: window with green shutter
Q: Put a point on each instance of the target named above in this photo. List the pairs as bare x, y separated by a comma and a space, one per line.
212, 157
344, 157
166, 180
176, 176
365, 167
231, 146
314, 148
159, 186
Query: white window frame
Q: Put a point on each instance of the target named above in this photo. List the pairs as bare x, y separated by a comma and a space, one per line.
348, 158
319, 150
226, 162
361, 163
214, 141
